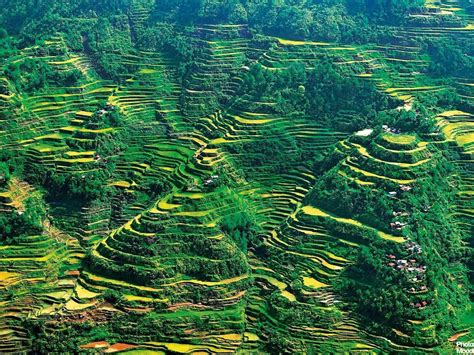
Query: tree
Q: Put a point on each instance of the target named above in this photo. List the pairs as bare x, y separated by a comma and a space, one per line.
4, 173
28, 220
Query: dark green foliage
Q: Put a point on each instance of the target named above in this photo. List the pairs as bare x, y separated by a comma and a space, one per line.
28, 220
321, 93
387, 10
299, 315
240, 228
105, 119
31, 75
450, 59
380, 290
63, 340
336, 194
81, 187
106, 41
329, 92
329, 19
4, 174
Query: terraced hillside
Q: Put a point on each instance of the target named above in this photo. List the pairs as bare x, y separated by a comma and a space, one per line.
223, 186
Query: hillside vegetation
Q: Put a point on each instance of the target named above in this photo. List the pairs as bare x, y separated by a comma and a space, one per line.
186, 176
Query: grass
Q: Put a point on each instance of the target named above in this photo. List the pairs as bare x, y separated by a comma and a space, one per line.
313, 283
365, 153
287, 42
72, 305
465, 139
314, 211
67, 61
372, 175
84, 293
144, 352
147, 71
124, 184
133, 298
400, 139
252, 121
188, 348
210, 283
8, 278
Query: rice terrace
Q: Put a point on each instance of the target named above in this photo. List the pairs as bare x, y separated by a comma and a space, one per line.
249, 177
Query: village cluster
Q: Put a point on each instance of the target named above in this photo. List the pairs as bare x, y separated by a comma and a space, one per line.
412, 267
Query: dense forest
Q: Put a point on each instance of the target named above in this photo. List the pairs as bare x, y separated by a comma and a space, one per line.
196, 176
